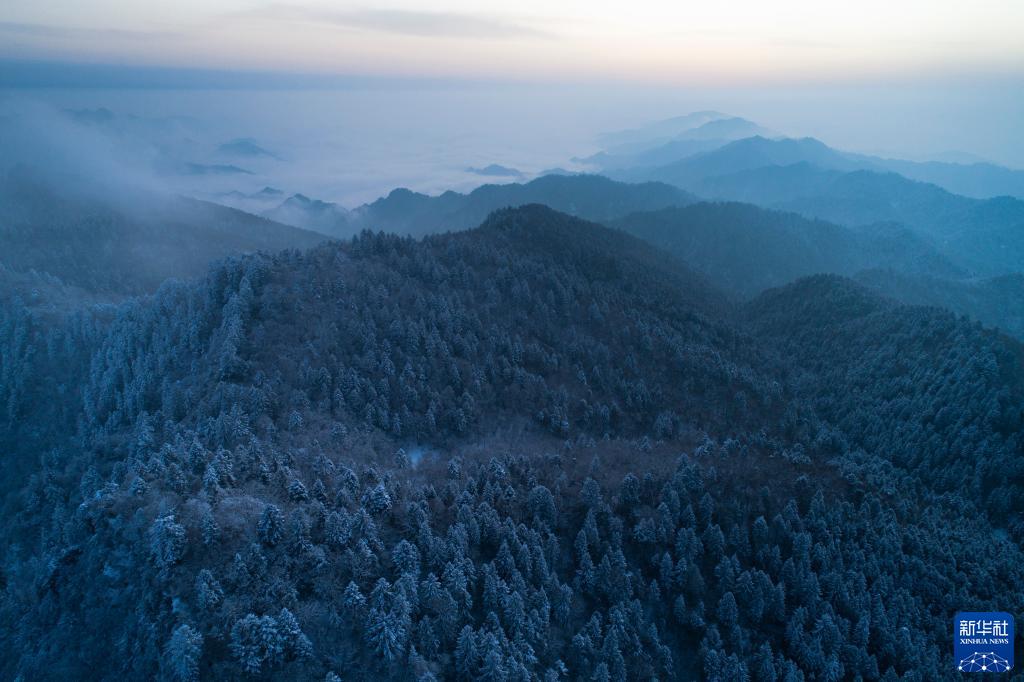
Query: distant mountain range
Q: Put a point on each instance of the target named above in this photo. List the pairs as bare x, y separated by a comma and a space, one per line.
745, 154
984, 236
807, 209
212, 169
405, 212
745, 250
245, 147
686, 161
708, 126
832, 221
805, 176
496, 170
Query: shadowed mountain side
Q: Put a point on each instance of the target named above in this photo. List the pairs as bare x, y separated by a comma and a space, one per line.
607, 254
984, 236
996, 302
745, 249
977, 180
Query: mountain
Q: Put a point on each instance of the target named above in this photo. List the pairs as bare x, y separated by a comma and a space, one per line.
983, 236
211, 169
996, 302
495, 170
311, 214
406, 212
669, 141
894, 378
658, 132
707, 126
268, 193
744, 155
977, 180
245, 147
733, 128
115, 246
625, 163
538, 448
687, 163
745, 249
259, 202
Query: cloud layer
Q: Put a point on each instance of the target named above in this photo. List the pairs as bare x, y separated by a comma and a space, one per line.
479, 26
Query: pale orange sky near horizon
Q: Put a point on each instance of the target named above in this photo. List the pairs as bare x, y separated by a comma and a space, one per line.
657, 42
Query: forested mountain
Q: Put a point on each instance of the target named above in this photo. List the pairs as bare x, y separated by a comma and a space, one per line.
996, 302
536, 449
984, 236
82, 239
405, 212
745, 249
932, 392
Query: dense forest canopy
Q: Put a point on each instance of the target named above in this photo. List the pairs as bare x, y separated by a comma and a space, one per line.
437, 342
535, 449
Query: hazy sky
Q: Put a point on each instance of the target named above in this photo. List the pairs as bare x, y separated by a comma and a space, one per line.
527, 83
658, 42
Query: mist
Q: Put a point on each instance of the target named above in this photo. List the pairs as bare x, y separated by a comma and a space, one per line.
353, 144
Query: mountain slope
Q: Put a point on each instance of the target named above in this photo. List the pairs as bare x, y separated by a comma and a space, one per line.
894, 379
995, 302
310, 214
977, 180
985, 236
745, 249
124, 245
524, 450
